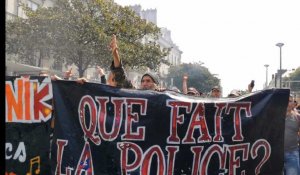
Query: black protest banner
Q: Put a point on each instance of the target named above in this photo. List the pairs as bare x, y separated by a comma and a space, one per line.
28, 110
105, 130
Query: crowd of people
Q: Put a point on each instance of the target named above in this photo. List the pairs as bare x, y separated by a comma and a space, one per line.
292, 139
150, 81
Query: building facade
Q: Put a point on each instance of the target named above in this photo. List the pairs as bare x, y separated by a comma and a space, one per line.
165, 41
14, 9
286, 84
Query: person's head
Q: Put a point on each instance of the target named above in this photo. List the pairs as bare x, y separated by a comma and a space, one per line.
290, 104
43, 73
149, 81
175, 89
216, 92
111, 80
295, 103
193, 91
116, 79
234, 93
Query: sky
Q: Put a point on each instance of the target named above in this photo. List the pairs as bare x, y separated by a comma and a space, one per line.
233, 38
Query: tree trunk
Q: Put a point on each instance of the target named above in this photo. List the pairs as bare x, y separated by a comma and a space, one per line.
40, 58
80, 65
81, 72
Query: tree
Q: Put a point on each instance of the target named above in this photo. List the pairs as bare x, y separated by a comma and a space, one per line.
79, 32
198, 76
295, 76
28, 39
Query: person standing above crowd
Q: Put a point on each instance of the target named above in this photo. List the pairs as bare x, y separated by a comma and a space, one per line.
117, 76
291, 151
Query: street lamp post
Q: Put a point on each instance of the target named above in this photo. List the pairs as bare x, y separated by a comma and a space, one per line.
266, 65
280, 71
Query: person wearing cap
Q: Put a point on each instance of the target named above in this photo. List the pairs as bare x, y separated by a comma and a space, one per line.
215, 92
191, 90
234, 93
175, 89
149, 81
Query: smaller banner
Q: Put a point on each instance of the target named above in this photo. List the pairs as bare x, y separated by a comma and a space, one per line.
28, 112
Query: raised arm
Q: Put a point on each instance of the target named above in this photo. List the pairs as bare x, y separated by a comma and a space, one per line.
68, 74
250, 86
184, 84
115, 52
102, 74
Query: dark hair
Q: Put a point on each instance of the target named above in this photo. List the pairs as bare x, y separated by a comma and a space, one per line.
215, 88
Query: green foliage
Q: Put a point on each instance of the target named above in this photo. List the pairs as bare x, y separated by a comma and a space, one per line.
23, 37
295, 76
198, 76
79, 32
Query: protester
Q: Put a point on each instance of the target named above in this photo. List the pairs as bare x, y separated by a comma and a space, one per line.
81, 80
215, 92
175, 89
117, 76
291, 151
102, 74
295, 107
149, 81
46, 74
184, 84
298, 108
67, 76
297, 111
250, 86
191, 90
234, 93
